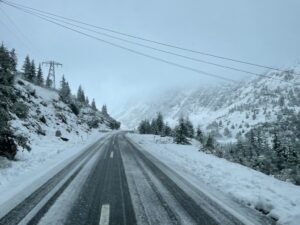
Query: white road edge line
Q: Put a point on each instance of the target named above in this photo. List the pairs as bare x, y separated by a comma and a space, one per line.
104, 217
111, 154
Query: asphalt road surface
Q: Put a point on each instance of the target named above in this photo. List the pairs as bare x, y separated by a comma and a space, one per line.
115, 182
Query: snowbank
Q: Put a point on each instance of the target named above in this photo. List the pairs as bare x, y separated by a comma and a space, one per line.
44, 156
280, 200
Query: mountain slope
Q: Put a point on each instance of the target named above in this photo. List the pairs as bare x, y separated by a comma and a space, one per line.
42, 117
50, 131
237, 107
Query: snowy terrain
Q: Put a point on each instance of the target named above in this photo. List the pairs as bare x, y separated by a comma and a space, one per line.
237, 107
47, 115
218, 177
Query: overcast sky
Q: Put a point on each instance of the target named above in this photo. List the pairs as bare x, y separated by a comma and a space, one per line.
260, 31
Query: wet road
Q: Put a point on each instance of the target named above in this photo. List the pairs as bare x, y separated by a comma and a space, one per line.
115, 182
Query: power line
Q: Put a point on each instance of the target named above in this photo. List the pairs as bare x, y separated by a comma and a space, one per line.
156, 49
25, 39
15, 35
153, 41
140, 53
132, 50
186, 57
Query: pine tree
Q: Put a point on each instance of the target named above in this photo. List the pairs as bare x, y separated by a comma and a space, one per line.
209, 142
32, 76
240, 151
199, 135
159, 123
27, 69
189, 128
104, 110
180, 132
7, 72
39, 76
142, 127
280, 151
87, 101
167, 131
80, 95
7, 66
153, 125
13, 61
65, 91
94, 105
227, 132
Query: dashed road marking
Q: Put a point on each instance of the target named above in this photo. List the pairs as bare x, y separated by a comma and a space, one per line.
111, 154
104, 217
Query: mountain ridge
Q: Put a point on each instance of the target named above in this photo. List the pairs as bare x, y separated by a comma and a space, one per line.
242, 105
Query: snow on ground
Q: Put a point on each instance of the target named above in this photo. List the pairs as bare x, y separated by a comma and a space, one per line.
15, 176
47, 115
240, 183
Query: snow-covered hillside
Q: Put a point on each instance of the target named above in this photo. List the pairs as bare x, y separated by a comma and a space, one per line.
50, 118
53, 131
237, 106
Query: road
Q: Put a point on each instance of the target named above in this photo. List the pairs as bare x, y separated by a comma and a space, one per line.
114, 182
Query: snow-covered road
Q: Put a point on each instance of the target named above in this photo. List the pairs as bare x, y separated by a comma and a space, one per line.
115, 181
232, 185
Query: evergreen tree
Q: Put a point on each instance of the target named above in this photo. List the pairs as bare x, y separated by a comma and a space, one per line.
87, 101
65, 91
209, 142
180, 132
159, 123
32, 77
142, 127
8, 63
227, 132
104, 110
292, 156
240, 151
145, 127
80, 95
27, 69
153, 125
13, 61
167, 131
280, 151
199, 135
189, 128
39, 76
7, 66
93, 105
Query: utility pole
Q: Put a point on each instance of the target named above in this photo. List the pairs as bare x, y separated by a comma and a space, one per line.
51, 73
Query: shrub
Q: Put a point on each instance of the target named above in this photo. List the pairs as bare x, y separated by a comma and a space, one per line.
74, 108
93, 123
20, 109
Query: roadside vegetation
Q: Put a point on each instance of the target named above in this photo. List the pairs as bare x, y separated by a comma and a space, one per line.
271, 148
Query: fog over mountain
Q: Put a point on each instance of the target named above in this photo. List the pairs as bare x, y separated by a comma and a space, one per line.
242, 105
263, 32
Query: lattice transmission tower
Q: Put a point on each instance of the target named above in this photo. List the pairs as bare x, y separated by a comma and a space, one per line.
51, 74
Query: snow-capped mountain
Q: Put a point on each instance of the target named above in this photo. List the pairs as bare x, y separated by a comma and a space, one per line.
237, 106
